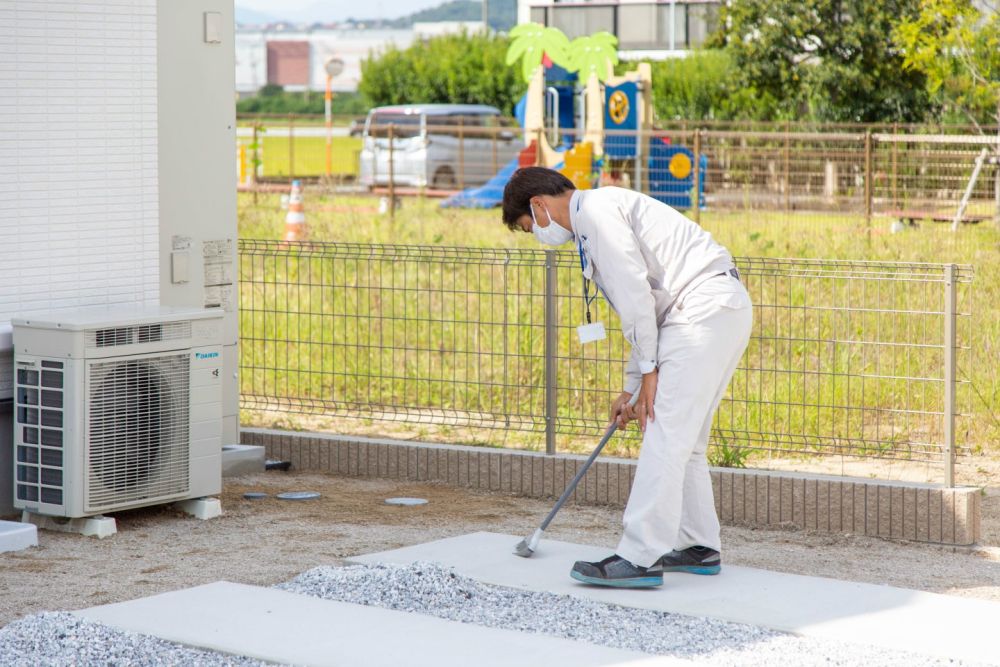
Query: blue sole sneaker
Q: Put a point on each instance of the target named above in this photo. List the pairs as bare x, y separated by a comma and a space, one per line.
693, 560
616, 572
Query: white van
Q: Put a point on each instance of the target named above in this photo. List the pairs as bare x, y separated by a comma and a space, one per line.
440, 146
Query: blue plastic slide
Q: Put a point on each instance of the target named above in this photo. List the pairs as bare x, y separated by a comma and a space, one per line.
485, 196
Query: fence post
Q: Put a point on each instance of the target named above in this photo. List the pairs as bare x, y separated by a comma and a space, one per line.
496, 168
551, 347
638, 161
868, 179
255, 160
950, 344
696, 198
461, 152
291, 146
996, 181
895, 167
392, 172
788, 170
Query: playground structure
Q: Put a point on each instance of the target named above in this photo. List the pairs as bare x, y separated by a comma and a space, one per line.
595, 133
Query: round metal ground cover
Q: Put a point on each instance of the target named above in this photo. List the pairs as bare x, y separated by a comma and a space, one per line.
405, 501
298, 495
255, 495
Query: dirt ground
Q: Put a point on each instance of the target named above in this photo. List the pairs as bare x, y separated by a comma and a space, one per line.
267, 541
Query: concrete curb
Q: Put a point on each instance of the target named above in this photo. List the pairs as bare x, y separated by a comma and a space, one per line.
875, 508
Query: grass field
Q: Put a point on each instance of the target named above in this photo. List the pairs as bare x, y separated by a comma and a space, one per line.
756, 234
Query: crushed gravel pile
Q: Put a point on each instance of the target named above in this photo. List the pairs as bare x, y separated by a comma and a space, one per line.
59, 638
428, 588
56, 639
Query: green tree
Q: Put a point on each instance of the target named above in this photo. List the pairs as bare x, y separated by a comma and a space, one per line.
956, 45
456, 69
831, 60
699, 86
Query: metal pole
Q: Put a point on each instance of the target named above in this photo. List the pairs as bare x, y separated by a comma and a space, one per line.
788, 171
996, 186
996, 174
392, 172
949, 375
868, 181
673, 25
554, 116
696, 197
895, 167
255, 161
551, 344
969, 189
291, 146
638, 161
496, 130
461, 153
327, 109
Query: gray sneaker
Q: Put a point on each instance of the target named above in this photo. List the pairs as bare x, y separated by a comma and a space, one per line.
616, 572
693, 560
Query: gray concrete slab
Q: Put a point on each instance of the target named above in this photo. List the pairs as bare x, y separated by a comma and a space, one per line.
16, 536
289, 628
940, 625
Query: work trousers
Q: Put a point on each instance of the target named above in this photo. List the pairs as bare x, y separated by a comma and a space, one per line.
671, 505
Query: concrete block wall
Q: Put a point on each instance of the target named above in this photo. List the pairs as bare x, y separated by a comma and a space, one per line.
877, 508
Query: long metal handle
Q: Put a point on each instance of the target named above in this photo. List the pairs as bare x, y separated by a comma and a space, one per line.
586, 466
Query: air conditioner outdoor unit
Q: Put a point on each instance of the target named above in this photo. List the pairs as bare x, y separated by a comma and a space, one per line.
115, 408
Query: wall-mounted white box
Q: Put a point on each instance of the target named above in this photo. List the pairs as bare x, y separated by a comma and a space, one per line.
213, 28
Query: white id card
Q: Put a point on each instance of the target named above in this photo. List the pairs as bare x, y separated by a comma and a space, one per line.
590, 333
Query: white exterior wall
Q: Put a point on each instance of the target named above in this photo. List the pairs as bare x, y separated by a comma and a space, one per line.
78, 154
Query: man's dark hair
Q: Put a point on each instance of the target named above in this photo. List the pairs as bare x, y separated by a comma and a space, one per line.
526, 183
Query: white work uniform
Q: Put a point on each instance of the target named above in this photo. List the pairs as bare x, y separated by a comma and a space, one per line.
683, 312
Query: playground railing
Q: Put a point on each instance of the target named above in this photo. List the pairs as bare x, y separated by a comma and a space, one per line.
850, 360
860, 179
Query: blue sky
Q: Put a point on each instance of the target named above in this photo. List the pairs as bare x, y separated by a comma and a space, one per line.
331, 10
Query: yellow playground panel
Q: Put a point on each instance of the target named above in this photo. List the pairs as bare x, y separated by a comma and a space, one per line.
578, 165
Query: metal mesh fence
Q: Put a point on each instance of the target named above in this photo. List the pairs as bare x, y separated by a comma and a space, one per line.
846, 358
855, 175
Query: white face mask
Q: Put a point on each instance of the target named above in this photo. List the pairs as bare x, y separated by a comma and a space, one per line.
554, 234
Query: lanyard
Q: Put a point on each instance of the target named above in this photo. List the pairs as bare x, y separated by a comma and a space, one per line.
587, 298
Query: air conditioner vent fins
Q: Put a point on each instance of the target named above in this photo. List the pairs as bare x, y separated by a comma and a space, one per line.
138, 334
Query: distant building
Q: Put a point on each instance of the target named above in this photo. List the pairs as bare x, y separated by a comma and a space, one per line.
293, 56
651, 29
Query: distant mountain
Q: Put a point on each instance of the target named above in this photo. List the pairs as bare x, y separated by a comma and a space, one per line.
503, 14
252, 17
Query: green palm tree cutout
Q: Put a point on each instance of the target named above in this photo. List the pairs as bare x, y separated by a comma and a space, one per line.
531, 42
593, 54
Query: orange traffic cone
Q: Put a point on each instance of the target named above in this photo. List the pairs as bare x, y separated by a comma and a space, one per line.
295, 220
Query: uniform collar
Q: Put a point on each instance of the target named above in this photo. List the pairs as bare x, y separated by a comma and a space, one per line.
574, 210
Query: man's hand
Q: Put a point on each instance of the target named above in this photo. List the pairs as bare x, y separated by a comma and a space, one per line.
647, 396
621, 411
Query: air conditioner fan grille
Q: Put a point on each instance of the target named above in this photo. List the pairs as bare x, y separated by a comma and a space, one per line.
138, 430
